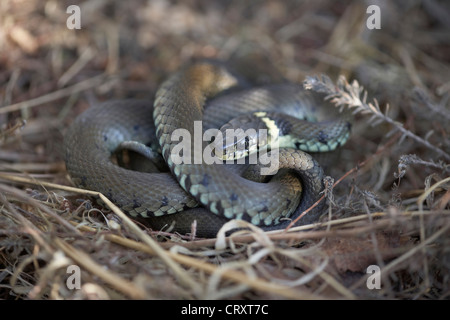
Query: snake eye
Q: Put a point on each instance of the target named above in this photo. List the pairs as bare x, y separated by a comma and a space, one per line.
247, 143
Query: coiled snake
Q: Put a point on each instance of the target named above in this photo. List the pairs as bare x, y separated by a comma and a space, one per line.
211, 194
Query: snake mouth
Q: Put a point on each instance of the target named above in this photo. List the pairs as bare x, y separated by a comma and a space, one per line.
239, 149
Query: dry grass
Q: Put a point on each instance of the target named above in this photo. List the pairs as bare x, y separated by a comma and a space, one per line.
390, 203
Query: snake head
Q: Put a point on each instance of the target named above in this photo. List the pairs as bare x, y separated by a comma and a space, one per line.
240, 137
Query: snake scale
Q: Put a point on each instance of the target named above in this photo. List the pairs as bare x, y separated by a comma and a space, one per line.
209, 194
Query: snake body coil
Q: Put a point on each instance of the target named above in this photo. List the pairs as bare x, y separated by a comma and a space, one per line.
221, 190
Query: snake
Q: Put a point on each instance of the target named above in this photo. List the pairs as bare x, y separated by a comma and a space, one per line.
194, 193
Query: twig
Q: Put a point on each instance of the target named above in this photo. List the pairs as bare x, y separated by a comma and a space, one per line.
422, 246
84, 58
80, 86
108, 276
153, 248
227, 273
293, 233
182, 276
